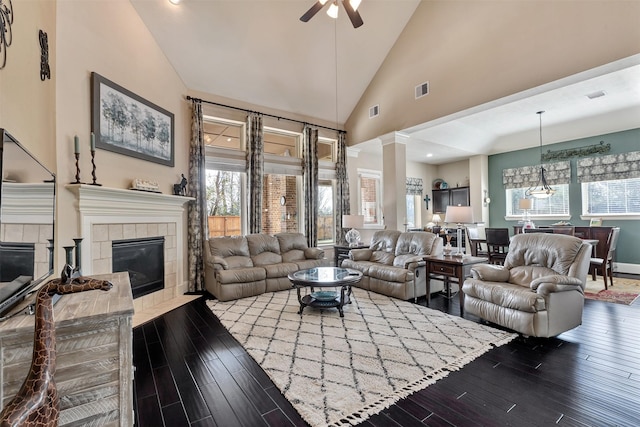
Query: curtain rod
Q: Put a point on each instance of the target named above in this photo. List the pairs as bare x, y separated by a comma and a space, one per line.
190, 98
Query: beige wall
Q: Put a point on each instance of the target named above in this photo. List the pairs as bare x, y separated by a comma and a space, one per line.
109, 38
476, 51
27, 104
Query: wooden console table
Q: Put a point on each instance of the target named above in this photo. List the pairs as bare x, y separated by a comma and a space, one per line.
94, 373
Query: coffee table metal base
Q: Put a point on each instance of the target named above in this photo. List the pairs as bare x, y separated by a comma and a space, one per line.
344, 297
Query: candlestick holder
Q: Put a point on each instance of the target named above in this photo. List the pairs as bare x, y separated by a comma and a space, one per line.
93, 166
77, 181
78, 253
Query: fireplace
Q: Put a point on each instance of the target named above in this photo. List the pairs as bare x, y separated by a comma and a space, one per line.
16, 259
143, 259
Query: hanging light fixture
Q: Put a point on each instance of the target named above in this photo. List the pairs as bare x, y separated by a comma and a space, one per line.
542, 190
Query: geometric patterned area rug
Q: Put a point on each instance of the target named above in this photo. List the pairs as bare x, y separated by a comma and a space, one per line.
340, 371
623, 291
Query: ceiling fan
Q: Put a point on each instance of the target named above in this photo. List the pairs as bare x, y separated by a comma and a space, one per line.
350, 6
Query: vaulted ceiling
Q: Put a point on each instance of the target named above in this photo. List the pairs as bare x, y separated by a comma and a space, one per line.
259, 52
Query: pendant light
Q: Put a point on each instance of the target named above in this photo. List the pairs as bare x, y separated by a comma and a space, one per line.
542, 190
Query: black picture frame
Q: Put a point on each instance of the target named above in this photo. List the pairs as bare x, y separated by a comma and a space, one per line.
128, 124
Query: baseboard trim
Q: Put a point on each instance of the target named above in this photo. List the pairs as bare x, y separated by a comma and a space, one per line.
621, 267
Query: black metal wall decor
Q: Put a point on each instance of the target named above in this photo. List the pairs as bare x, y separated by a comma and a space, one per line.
45, 72
6, 35
585, 151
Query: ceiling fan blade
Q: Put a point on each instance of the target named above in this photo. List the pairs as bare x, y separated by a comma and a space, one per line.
353, 15
312, 11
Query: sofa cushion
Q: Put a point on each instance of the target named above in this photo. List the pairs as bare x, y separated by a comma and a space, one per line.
264, 249
503, 294
555, 251
234, 250
524, 274
415, 243
280, 269
229, 246
390, 273
241, 275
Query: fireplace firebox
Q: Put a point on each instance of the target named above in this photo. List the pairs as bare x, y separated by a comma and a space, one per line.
143, 259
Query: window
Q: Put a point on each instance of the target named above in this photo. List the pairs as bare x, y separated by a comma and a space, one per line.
224, 202
223, 133
554, 206
280, 204
370, 201
325, 223
615, 197
413, 211
281, 143
327, 150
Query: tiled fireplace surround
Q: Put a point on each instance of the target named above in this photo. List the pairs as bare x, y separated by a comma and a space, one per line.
108, 214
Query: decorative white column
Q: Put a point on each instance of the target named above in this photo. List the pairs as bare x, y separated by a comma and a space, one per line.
394, 177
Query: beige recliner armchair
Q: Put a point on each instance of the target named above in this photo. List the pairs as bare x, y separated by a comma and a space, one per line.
539, 291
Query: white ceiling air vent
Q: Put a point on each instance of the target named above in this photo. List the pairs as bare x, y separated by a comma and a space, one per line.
422, 90
374, 111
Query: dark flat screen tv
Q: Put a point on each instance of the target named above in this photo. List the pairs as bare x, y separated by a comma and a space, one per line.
27, 206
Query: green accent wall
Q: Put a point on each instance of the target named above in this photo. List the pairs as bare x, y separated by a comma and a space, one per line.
628, 250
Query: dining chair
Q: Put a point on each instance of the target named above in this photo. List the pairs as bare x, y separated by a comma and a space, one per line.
604, 265
497, 244
476, 241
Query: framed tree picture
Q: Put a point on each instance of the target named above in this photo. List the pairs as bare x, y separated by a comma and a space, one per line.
128, 124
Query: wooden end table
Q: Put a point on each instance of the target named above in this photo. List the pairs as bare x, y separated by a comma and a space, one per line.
451, 267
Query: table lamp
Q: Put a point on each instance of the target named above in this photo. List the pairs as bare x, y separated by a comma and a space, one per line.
459, 215
436, 220
526, 205
352, 221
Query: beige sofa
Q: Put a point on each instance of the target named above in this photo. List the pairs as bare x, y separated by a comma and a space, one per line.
539, 291
393, 264
243, 266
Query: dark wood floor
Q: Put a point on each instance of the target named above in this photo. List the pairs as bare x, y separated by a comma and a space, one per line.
190, 371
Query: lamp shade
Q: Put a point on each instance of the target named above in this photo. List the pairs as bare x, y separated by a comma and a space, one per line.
436, 218
525, 204
352, 221
459, 215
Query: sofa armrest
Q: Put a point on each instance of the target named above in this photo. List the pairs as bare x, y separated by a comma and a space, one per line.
556, 283
313, 253
490, 273
360, 254
414, 262
215, 261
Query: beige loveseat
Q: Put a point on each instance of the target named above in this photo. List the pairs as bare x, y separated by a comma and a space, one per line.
243, 266
539, 291
393, 264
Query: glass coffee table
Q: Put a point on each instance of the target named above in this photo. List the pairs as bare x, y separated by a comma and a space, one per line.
329, 287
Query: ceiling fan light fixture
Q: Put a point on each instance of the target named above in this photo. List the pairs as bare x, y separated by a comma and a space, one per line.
355, 3
333, 10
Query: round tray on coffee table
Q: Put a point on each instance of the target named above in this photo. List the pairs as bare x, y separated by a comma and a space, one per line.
335, 284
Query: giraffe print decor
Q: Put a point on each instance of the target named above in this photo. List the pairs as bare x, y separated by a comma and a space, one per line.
36, 403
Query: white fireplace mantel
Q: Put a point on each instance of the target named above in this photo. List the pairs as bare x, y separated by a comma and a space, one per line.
103, 205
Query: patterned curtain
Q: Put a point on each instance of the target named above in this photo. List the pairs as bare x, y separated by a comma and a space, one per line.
310, 184
414, 186
528, 176
610, 167
197, 209
342, 188
255, 170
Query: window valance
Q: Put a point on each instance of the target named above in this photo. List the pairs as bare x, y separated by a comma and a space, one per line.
609, 167
414, 186
528, 176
